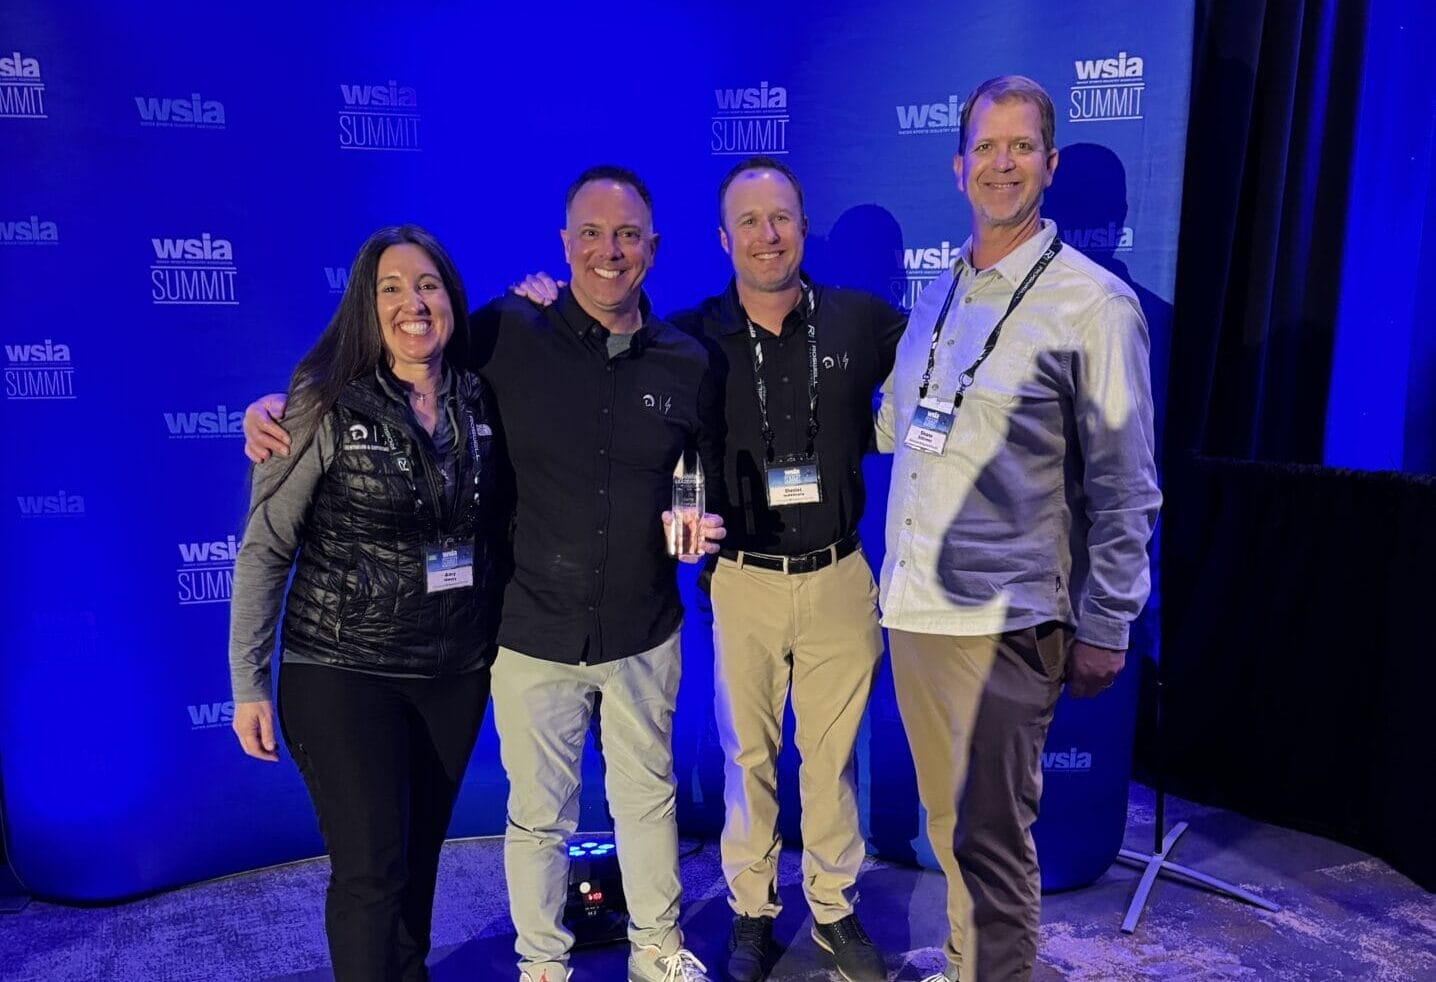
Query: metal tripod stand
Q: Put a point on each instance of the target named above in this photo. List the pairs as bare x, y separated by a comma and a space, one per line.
1158, 864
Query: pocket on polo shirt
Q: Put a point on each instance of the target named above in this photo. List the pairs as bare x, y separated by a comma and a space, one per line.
1008, 374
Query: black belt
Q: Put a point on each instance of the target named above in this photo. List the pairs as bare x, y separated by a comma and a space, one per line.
808, 562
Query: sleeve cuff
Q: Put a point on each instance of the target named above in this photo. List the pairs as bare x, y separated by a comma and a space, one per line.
1103, 630
253, 688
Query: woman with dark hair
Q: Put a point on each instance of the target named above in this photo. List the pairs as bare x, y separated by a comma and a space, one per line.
386, 513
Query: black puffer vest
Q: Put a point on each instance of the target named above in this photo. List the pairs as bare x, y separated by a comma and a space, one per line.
359, 598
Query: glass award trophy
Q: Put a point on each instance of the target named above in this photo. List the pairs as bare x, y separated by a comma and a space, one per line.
685, 535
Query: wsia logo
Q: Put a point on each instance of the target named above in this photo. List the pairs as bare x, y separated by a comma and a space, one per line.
930, 117
338, 278
1104, 238
32, 232
1107, 89
211, 715
39, 371
1066, 760
194, 272
921, 265
750, 121
204, 425
205, 574
60, 505
379, 117
22, 89
194, 113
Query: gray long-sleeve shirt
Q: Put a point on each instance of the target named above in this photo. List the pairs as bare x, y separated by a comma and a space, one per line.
1042, 505
275, 530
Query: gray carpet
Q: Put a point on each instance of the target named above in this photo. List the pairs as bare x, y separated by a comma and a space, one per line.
1344, 916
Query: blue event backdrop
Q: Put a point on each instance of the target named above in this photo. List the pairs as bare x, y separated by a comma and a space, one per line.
184, 188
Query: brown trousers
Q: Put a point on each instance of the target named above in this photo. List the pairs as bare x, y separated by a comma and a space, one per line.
976, 712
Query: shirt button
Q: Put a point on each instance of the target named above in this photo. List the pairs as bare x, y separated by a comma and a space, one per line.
603, 490
907, 521
949, 344
902, 562
605, 410
591, 608
967, 300
596, 571
785, 378
601, 531
787, 415
608, 368
602, 451
913, 475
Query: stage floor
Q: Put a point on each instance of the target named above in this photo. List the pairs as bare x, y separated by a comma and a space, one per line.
1344, 915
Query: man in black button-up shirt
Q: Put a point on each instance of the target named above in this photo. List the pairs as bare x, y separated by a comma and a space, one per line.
794, 603
593, 438
598, 399
857, 334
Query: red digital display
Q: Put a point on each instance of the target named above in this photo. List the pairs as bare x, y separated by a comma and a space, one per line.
596, 896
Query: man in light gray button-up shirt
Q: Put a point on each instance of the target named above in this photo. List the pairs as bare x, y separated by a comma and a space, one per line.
1023, 495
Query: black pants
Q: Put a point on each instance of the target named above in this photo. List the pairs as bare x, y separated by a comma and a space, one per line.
382, 759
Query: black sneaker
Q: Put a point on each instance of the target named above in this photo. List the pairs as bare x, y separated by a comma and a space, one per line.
852, 950
748, 948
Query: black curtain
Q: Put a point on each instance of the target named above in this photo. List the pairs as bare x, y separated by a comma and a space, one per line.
1275, 89
1292, 651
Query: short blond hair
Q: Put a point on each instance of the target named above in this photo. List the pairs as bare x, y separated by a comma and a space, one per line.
1005, 87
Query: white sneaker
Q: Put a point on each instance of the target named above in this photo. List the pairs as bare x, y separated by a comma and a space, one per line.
646, 964
545, 976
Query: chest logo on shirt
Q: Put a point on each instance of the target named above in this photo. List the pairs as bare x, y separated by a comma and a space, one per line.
360, 437
830, 362
661, 403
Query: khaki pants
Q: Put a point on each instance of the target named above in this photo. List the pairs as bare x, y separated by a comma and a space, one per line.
976, 712
814, 638
542, 711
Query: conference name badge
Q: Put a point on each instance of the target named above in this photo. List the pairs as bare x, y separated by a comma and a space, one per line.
931, 425
448, 565
794, 481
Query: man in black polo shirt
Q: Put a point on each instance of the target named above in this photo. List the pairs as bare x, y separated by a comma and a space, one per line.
794, 603
597, 398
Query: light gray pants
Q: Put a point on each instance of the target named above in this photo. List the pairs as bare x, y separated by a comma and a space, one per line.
542, 712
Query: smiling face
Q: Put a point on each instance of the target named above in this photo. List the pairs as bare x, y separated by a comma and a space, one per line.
416, 317
1006, 166
763, 231
609, 244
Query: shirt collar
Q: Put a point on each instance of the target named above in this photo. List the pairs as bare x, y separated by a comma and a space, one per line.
1016, 264
735, 318
394, 389
584, 326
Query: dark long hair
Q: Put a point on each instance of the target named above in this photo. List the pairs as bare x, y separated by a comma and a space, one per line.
351, 346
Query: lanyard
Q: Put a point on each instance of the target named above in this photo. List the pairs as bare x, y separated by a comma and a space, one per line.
965, 380
757, 345
408, 463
